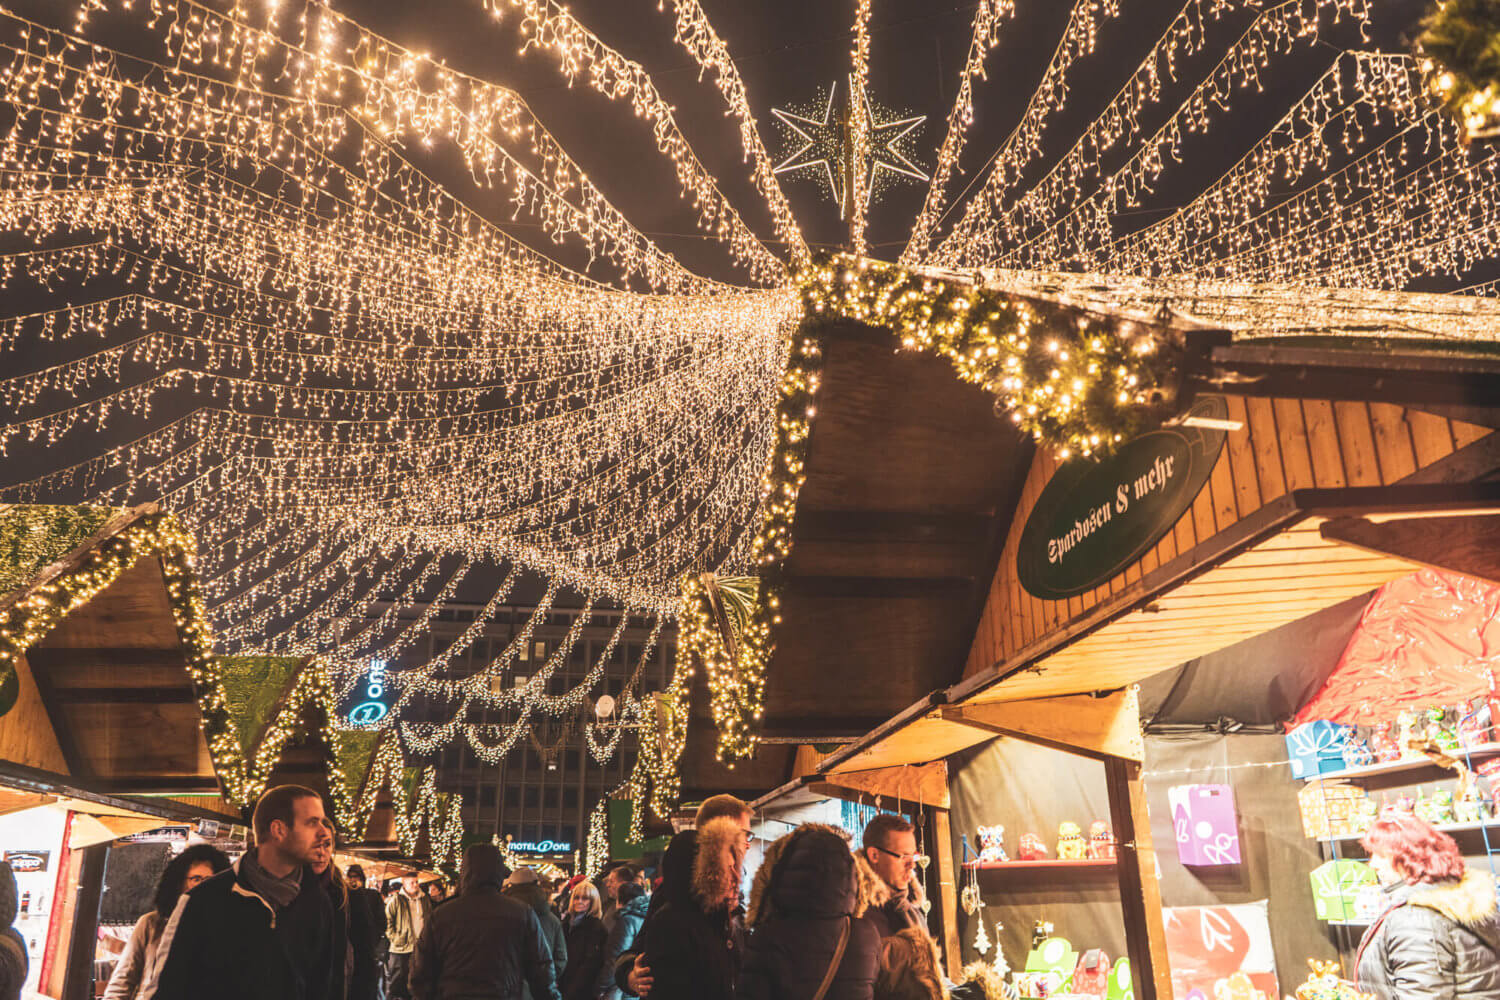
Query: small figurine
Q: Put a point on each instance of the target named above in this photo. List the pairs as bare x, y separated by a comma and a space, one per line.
1324, 984
1041, 930
1441, 730
1408, 733
1438, 809
1468, 804
1383, 744
1070, 843
992, 845
1101, 841
1030, 848
1405, 803
1357, 752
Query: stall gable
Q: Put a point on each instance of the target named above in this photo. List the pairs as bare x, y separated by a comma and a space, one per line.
1282, 445
26, 734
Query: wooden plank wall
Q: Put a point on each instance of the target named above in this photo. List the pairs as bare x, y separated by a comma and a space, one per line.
26, 735
1284, 445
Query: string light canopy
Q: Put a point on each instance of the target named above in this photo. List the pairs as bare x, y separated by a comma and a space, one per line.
256, 245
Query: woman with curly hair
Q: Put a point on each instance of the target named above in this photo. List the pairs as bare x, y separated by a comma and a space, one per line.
183, 873
1439, 937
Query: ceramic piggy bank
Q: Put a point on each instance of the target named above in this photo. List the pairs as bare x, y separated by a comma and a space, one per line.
992, 844
1101, 841
1031, 848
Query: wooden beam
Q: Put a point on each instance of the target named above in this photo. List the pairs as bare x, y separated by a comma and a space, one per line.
1102, 728
1469, 544
924, 783
877, 588
947, 901
1140, 894
124, 695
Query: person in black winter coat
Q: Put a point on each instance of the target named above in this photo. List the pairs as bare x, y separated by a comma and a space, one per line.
264, 930
366, 929
482, 943
631, 903
585, 935
524, 886
14, 962
695, 938
1439, 937
810, 894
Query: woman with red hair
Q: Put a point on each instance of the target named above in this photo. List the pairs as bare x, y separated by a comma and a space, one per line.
1439, 937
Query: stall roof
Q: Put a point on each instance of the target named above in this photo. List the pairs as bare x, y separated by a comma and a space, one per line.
1271, 569
106, 694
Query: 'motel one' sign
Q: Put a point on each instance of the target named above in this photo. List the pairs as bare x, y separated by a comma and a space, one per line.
374, 707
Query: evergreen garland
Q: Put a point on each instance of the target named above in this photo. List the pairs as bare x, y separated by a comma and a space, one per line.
1459, 49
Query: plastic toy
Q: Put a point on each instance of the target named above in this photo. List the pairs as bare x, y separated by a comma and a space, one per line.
992, 845
1383, 744
1357, 751
1070, 843
1030, 848
1101, 841
1442, 730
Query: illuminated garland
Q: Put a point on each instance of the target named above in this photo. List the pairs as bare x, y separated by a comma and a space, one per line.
1459, 49
719, 628
596, 855
1081, 386
416, 805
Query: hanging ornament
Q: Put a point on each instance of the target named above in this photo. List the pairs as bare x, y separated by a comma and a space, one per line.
981, 940
926, 906
1000, 965
922, 861
969, 899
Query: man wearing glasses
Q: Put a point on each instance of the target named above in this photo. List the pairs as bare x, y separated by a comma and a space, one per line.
890, 846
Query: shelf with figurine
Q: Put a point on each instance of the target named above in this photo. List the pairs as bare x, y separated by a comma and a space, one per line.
1445, 736
1073, 849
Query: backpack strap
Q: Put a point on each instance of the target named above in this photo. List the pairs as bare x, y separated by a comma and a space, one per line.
838, 959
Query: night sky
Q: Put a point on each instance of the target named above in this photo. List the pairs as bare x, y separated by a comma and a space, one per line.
790, 50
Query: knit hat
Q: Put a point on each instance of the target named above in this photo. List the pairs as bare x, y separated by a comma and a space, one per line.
523, 876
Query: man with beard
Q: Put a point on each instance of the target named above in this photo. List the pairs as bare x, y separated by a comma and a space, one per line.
263, 930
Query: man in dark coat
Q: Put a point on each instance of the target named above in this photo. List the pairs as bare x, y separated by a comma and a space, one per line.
14, 963
366, 932
263, 930
482, 943
524, 885
890, 848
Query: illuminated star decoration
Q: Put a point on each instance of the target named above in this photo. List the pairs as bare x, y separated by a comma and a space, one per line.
827, 146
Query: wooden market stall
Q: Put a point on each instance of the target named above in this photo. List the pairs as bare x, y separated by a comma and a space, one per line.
1290, 480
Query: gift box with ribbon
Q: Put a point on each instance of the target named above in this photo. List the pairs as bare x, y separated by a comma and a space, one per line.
1317, 747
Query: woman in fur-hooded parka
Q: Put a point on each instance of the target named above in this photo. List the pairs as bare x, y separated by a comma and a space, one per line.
694, 938
1435, 941
808, 890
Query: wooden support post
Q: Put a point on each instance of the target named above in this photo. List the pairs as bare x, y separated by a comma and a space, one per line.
1140, 895
947, 901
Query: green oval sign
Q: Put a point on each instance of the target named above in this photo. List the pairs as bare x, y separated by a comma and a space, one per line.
1093, 519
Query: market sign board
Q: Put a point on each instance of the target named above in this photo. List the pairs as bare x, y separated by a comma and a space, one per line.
1094, 519
22, 862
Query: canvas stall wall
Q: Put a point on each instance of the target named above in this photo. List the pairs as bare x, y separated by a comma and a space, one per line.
1282, 445
1032, 789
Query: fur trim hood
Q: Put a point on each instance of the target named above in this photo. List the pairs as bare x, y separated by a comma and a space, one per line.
909, 968
718, 864
868, 889
1470, 902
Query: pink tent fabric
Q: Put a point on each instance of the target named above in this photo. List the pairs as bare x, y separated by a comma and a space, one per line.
1430, 638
